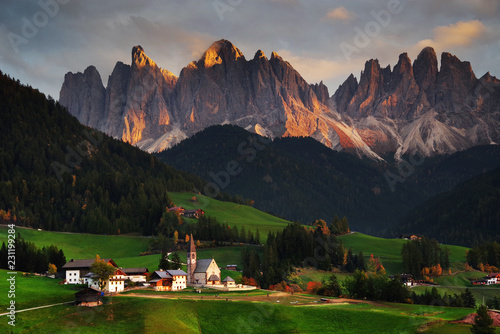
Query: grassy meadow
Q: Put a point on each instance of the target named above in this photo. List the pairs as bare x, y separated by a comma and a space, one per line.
145, 315
231, 213
389, 250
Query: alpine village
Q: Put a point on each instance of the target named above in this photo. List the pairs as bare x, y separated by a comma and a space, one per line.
236, 196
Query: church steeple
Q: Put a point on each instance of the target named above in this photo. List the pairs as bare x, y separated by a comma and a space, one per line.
191, 260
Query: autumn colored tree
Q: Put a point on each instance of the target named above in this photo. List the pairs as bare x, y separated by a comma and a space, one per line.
313, 287
322, 226
186, 240
52, 270
102, 270
176, 237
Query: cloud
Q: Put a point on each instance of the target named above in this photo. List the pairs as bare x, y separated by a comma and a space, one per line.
460, 34
315, 69
340, 14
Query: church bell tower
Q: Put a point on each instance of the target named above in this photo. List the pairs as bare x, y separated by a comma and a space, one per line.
191, 261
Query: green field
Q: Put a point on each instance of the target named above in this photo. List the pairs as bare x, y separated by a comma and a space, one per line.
479, 292
232, 213
144, 315
389, 250
32, 291
84, 246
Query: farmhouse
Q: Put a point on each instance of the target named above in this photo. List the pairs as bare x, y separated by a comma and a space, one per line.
115, 282
136, 274
410, 236
88, 297
77, 269
491, 279
203, 271
232, 267
195, 213
178, 209
168, 280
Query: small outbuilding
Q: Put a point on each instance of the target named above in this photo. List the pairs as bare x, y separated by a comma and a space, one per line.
88, 297
229, 282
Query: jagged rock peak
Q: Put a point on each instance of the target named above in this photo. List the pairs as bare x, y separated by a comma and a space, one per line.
219, 52
140, 59
259, 54
275, 55
404, 63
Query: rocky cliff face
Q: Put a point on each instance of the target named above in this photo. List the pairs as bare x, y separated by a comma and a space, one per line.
420, 108
409, 108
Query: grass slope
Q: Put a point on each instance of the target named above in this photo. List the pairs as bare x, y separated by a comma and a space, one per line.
84, 246
232, 213
389, 250
145, 315
32, 291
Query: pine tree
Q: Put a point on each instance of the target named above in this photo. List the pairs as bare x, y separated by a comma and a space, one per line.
482, 322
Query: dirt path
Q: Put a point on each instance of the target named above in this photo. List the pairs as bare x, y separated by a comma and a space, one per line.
36, 308
275, 297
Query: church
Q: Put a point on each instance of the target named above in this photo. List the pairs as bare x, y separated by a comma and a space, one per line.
203, 272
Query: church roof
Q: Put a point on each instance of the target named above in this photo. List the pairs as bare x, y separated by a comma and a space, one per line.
202, 265
214, 278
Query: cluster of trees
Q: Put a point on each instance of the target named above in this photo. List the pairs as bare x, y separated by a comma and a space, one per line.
166, 263
487, 253
30, 258
299, 246
424, 253
208, 228
493, 303
432, 297
172, 229
376, 286
60, 175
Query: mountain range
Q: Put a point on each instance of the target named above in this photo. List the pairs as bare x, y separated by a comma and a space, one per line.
389, 112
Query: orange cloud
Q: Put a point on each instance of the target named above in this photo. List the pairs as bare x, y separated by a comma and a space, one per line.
463, 33
340, 14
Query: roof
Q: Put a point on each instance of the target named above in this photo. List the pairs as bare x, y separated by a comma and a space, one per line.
493, 275
131, 271
177, 272
231, 265
192, 247
214, 278
84, 264
162, 274
228, 279
203, 265
88, 291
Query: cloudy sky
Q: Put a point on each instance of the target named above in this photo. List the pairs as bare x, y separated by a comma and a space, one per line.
323, 39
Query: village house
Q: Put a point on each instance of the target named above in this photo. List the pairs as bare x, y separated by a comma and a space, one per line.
493, 278
232, 267
138, 275
178, 209
76, 270
410, 236
115, 283
195, 213
168, 280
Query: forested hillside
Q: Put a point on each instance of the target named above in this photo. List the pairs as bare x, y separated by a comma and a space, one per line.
301, 179
57, 174
469, 212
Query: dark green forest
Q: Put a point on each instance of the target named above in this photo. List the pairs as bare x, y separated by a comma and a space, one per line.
57, 174
468, 213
